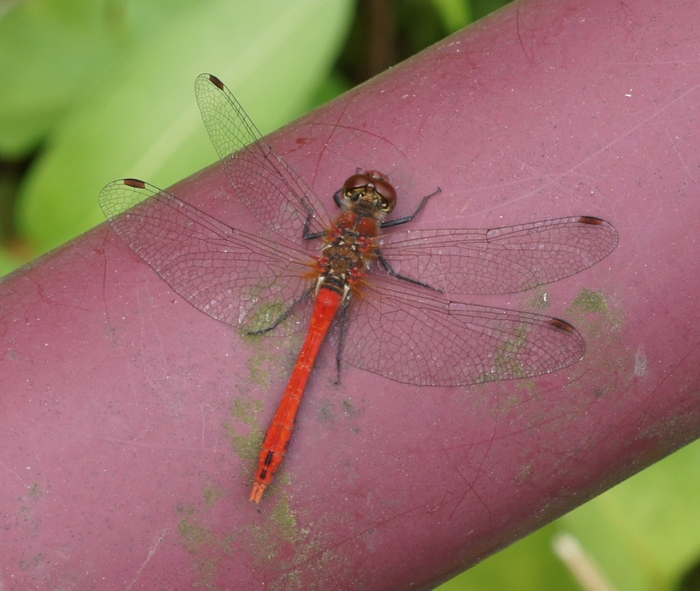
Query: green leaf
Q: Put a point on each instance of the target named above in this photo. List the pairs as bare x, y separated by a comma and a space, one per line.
8, 262
45, 52
644, 533
527, 565
454, 14
140, 117
641, 535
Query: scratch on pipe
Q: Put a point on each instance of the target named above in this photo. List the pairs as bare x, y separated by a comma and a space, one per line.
148, 558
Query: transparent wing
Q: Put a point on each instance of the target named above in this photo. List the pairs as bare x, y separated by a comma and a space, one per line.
500, 260
236, 277
410, 335
396, 329
271, 191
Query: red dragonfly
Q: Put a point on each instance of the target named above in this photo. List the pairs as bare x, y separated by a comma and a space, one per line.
378, 299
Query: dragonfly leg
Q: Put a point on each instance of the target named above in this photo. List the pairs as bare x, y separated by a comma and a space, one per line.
309, 216
338, 199
388, 268
313, 235
283, 316
409, 218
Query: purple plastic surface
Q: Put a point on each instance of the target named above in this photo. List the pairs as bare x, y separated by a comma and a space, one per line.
129, 419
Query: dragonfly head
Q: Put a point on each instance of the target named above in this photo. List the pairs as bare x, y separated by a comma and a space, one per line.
370, 192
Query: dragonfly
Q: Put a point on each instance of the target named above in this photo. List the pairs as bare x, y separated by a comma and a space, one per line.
378, 297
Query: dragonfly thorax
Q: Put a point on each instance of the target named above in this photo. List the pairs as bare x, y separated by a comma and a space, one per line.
349, 250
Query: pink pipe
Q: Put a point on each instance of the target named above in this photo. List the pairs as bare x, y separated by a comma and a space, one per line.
130, 419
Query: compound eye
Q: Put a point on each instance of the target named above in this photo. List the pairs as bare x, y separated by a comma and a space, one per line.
387, 192
356, 181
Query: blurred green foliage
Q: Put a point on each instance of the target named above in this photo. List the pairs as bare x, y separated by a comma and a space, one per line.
104, 90
642, 535
94, 90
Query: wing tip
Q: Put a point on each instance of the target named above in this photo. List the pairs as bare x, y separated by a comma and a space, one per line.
135, 183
